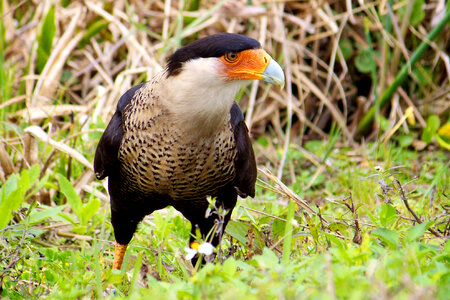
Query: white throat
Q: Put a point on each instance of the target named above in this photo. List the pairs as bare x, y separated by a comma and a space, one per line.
200, 99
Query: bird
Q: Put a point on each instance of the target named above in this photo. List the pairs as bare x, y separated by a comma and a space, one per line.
181, 137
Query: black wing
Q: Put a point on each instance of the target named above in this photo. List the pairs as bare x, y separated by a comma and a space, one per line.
245, 164
106, 156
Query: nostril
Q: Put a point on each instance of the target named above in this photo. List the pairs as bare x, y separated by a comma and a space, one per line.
265, 60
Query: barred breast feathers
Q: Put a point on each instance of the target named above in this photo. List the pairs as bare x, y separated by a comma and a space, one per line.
160, 154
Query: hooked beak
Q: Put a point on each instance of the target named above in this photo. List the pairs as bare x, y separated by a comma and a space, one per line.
273, 74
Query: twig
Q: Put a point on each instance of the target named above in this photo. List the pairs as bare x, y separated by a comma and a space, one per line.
418, 220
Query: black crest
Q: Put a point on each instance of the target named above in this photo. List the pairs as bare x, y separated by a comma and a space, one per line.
211, 46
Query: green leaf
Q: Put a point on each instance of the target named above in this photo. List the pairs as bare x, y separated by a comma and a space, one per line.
313, 228
9, 187
278, 227
46, 212
39, 185
267, 260
92, 31
229, 266
387, 236
422, 75
8, 193
72, 197
45, 39
335, 240
364, 62
384, 123
388, 214
346, 48
418, 13
337, 226
405, 140
238, 230
432, 126
88, 210
79, 229
447, 246
13, 193
417, 231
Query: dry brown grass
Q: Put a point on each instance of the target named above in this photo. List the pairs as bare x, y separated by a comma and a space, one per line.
84, 78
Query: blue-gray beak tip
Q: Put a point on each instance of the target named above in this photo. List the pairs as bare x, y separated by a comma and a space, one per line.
274, 74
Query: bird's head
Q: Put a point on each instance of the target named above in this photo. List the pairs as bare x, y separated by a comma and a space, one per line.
204, 77
226, 57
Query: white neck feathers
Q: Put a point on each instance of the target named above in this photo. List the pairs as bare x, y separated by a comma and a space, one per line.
199, 97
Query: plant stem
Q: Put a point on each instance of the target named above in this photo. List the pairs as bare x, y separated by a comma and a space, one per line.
401, 76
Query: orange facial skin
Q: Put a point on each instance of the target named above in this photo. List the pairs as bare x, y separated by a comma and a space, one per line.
248, 64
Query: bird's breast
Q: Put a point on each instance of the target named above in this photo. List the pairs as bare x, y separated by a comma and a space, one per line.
159, 159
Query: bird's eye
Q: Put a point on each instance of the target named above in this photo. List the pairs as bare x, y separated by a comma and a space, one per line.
231, 57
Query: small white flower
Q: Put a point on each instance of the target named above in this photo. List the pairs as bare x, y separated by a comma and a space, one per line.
190, 253
206, 249
195, 247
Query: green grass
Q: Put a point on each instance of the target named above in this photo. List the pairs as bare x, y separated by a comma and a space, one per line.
357, 240
396, 257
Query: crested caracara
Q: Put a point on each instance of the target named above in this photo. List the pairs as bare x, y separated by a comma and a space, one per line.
181, 137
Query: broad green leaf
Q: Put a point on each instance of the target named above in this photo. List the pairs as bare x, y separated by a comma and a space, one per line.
79, 229
338, 226
418, 12
88, 210
317, 181
312, 228
417, 231
39, 185
384, 123
268, 259
71, 195
9, 187
24, 181
387, 215
405, 140
229, 266
12, 195
45, 213
238, 230
387, 236
335, 240
447, 246
278, 228
432, 126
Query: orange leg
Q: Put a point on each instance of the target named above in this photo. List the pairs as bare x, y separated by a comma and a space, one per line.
119, 254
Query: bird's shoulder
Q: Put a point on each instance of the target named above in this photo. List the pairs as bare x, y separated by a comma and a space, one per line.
146, 110
244, 163
106, 154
